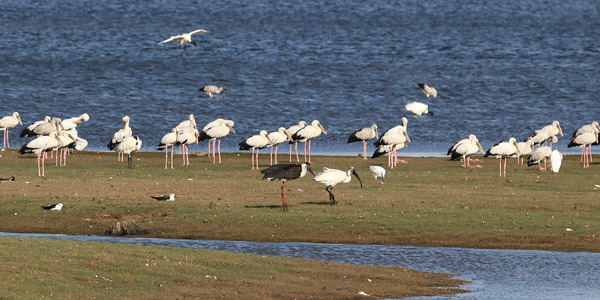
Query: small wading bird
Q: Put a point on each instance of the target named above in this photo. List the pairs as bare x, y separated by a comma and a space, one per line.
363, 135
210, 90
332, 177
464, 148
57, 206
418, 108
184, 39
9, 122
307, 134
255, 142
285, 172
378, 173
428, 90
503, 150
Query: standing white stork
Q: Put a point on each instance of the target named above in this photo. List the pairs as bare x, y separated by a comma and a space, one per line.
129, 145
278, 137
38, 146
9, 122
540, 154
418, 108
540, 136
585, 141
291, 131
65, 140
378, 173
332, 177
119, 136
363, 135
464, 148
210, 90
169, 140
395, 136
256, 142
216, 130
42, 127
183, 39
307, 134
524, 149
503, 150
428, 90
592, 127
285, 172
186, 136
389, 151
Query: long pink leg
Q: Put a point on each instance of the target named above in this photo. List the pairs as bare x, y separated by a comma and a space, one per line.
505, 159
589, 147
276, 148
166, 156
257, 158
296, 149
219, 150
305, 152
252, 158
271, 156
172, 152
43, 166
500, 166
39, 156
209, 148
65, 151
214, 146
365, 150
290, 152
309, 144
582, 154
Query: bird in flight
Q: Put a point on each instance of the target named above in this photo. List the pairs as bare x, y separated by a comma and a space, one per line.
183, 39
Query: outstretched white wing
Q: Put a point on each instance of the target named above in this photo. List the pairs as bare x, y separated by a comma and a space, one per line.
198, 31
175, 37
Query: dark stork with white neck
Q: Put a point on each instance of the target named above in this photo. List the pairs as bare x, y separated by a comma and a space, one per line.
285, 172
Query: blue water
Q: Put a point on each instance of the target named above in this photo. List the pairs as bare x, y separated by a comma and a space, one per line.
501, 68
494, 274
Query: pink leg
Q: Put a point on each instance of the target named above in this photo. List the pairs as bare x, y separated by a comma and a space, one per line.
500, 166
290, 152
296, 149
305, 152
271, 156
505, 159
589, 147
276, 148
39, 156
172, 152
219, 150
257, 158
214, 146
309, 144
209, 148
43, 166
166, 157
252, 158
365, 150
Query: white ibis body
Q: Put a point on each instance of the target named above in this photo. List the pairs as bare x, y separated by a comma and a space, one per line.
38, 146
428, 90
378, 173
214, 131
255, 142
464, 148
503, 150
542, 135
585, 140
363, 135
285, 172
119, 136
169, 140
7, 123
129, 145
540, 154
333, 177
211, 90
183, 39
418, 108
307, 134
291, 131
278, 137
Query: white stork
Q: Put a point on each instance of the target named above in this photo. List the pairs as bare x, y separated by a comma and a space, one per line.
585, 141
363, 135
542, 135
285, 172
418, 108
186, 136
216, 130
378, 173
307, 134
428, 90
129, 145
503, 150
332, 177
291, 131
42, 127
592, 127
71, 123
119, 136
210, 90
393, 137
38, 146
464, 148
255, 142
278, 137
183, 39
169, 140
540, 154
9, 122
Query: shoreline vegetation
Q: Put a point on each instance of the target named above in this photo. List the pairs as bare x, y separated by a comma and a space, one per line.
426, 202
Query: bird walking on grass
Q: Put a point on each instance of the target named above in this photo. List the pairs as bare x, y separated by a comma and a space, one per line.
333, 177
7, 123
285, 172
378, 173
363, 135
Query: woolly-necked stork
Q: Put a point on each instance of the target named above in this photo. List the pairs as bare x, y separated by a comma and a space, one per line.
503, 150
291, 131
183, 39
285, 172
363, 135
592, 127
540, 136
418, 108
169, 140
278, 137
211, 90
9, 122
428, 90
214, 131
256, 142
585, 140
119, 136
38, 146
332, 177
464, 148
308, 133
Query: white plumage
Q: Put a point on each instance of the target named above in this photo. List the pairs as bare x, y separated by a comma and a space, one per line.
291, 131
38, 146
540, 154
169, 140
210, 90
542, 135
428, 90
9, 122
524, 148
584, 140
363, 135
418, 108
216, 130
395, 136
308, 133
255, 142
503, 150
42, 127
183, 39
71, 123
378, 173
333, 177
119, 136
278, 137
464, 148
129, 145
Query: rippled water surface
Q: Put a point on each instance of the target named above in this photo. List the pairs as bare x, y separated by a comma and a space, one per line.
496, 274
502, 68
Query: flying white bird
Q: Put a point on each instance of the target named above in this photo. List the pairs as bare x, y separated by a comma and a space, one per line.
183, 39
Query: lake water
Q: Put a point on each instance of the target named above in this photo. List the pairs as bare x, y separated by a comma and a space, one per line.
495, 274
501, 68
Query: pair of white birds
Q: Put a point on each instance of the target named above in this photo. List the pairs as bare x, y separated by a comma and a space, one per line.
419, 108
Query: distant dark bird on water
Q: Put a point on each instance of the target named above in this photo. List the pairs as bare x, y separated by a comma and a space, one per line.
57, 206
285, 172
8, 179
428, 90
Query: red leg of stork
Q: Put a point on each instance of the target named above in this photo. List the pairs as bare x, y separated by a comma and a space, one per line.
271, 156
166, 157
219, 150
309, 144
505, 159
214, 149
283, 202
276, 148
365, 150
